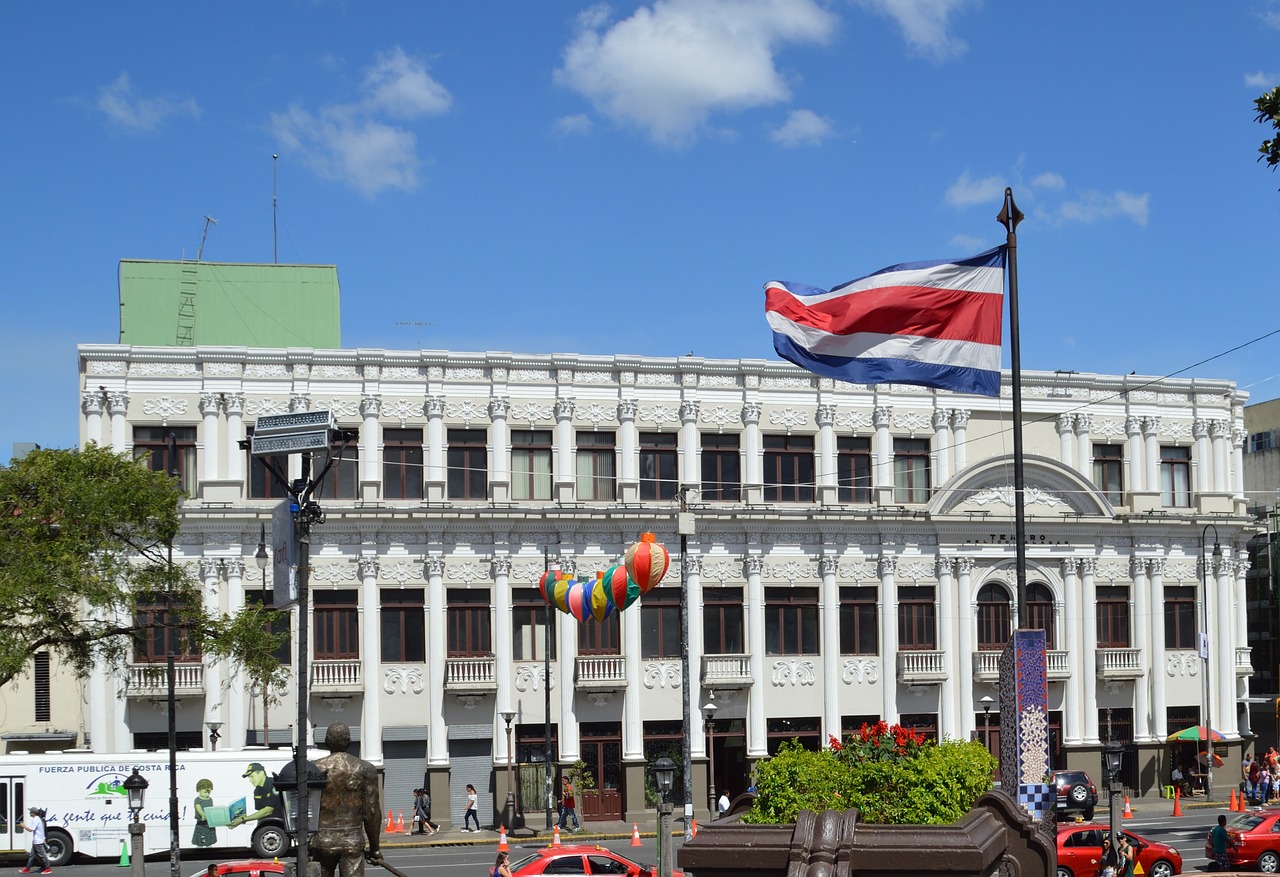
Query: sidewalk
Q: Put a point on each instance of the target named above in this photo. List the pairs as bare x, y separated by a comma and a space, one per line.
535, 832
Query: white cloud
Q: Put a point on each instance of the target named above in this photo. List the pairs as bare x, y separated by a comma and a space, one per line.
1092, 206
966, 191
353, 143
803, 128
1261, 80
670, 65
1048, 180
925, 24
575, 124
968, 243
140, 114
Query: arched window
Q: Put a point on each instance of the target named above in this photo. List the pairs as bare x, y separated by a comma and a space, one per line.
1040, 611
994, 617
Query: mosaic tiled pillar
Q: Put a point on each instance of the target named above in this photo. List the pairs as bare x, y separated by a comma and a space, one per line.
1024, 722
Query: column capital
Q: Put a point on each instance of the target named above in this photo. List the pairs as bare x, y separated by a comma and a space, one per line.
887, 565
827, 564
692, 564
433, 406
751, 413
1132, 425
299, 402
499, 406
118, 403
1150, 426
564, 408
210, 403
826, 415
370, 406
501, 565
1070, 566
960, 418
881, 415
941, 418
1083, 423
233, 567
752, 564
91, 402
233, 403
1066, 422
367, 566
689, 410
945, 566
434, 565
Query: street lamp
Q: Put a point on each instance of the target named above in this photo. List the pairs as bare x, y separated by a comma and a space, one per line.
1204, 654
708, 713
1112, 758
986, 702
301, 797
509, 811
664, 774
135, 787
261, 560
214, 736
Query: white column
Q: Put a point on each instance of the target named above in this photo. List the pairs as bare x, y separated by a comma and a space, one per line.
500, 446
689, 474
753, 463
233, 404
214, 694
967, 627
888, 639
829, 615
564, 440
567, 655
370, 658
1089, 627
1072, 611
757, 729
235, 723
825, 464
438, 735
91, 405
1137, 471
960, 424
1224, 649
1201, 460
370, 439
436, 475
503, 658
1141, 636
1218, 430
942, 446
1238, 437
209, 405
102, 692
948, 715
1084, 445
1159, 708
881, 452
628, 454
693, 585
632, 726
1066, 441
1151, 436
118, 408
1238, 570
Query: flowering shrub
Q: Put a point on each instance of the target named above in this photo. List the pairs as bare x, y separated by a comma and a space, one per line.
892, 775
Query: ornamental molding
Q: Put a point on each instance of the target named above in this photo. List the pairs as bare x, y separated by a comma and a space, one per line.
529, 376
334, 573
721, 569
790, 570
786, 383
164, 407
401, 373
1108, 428
593, 378
662, 674
597, 413
402, 409
1182, 664
657, 414
853, 420
860, 670
788, 418
470, 537
915, 570
264, 370
1176, 430
339, 407
222, 369
529, 677
464, 374
1005, 496
655, 379
468, 571
265, 407
106, 367
913, 422
403, 680
337, 372
719, 416
600, 698
401, 572
794, 672
164, 370
1112, 571
858, 571
720, 381
532, 412
528, 571
587, 567
467, 410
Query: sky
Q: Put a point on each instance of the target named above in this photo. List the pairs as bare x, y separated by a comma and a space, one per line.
545, 176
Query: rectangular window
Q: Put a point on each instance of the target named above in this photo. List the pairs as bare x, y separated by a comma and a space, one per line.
468, 624
1108, 471
267, 598
595, 464
531, 464
853, 468
529, 617
601, 637
788, 468
723, 627
468, 471
1179, 618
859, 624
341, 481
153, 442
917, 618
791, 621
40, 680
263, 484
404, 625
337, 625
807, 730
658, 465
1113, 617
660, 623
402, 463
721, 466
161, 631
910, 470
1175, 476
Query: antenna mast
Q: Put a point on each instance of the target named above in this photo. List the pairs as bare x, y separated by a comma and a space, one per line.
275, 161
208, 220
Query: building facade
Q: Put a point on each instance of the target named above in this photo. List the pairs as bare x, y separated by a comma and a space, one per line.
852, 558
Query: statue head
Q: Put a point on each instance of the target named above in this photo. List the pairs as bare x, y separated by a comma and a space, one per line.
338, 737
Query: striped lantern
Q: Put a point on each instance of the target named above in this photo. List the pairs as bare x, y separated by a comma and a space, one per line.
647, 562
560, 593
621, 589
545, 584
596, 599
575, 602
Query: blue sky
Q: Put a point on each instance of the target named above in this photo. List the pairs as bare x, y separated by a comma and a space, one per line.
546, 176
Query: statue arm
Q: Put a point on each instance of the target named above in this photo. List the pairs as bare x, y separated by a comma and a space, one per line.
372, 811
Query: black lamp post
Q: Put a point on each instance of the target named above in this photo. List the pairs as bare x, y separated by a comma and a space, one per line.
664, 775
509, 811
135, 787
261, 560
1205, 689
986, 702
1113, 758
301, 797
708, 713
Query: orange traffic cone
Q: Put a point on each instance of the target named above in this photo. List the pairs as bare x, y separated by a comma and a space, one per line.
1232, 808
635, 834
1177, 801
390, 825
502, 840
694, 831
400, 823
555, 837
1128, 813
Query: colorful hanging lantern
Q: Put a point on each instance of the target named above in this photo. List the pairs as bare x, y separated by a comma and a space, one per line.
546, 582
575, 605
647, 562
560, 593
622, 590
596, 599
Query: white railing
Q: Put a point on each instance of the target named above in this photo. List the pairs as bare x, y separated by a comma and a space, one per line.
1059, 667
470, 673
928, 666
726, 671
1244, 661
1120, 663
150, 679
331, 675
595, 671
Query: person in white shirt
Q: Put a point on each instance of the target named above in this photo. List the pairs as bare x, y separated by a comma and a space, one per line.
39, 852
723, 804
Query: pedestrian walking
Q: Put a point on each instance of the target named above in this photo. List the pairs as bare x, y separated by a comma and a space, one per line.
39, 850
568, 805
472, 812
422, 812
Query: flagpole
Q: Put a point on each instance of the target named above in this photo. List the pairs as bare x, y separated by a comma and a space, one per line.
1009, 217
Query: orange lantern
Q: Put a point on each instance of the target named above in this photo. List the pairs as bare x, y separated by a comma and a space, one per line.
647, 562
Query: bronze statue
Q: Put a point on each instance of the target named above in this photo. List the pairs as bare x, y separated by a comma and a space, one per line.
350, 809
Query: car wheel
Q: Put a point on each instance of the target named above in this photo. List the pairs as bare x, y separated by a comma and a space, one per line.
1269, 862
1162, 868
1064, 872
1078, 794
1088, 815
270, 841
58, 846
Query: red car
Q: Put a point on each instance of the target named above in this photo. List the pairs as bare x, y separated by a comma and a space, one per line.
1256, 838
245, 868
581, 859
1081, 844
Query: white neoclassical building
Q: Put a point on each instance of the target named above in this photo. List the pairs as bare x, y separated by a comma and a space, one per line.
852, 559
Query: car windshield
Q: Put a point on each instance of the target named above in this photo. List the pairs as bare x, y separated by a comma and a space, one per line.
517, 865
1245, 821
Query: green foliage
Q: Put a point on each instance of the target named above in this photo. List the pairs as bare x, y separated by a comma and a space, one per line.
85, 536
894, 779
580, 776
1268, 107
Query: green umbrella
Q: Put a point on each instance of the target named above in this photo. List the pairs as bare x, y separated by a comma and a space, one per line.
1195, 732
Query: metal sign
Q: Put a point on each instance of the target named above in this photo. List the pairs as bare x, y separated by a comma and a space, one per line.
297, 421
284, 556
289, 443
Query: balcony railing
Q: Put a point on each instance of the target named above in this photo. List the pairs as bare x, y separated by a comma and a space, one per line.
328, 676
464, 675
986, 665
922, 668
151, 680
600, 672
1244, 661
1120, 664
726, 671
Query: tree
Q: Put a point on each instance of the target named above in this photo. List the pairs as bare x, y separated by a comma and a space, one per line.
1269, 114
86, 536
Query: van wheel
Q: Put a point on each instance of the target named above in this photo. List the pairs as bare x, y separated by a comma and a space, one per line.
58, 845
270, 841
